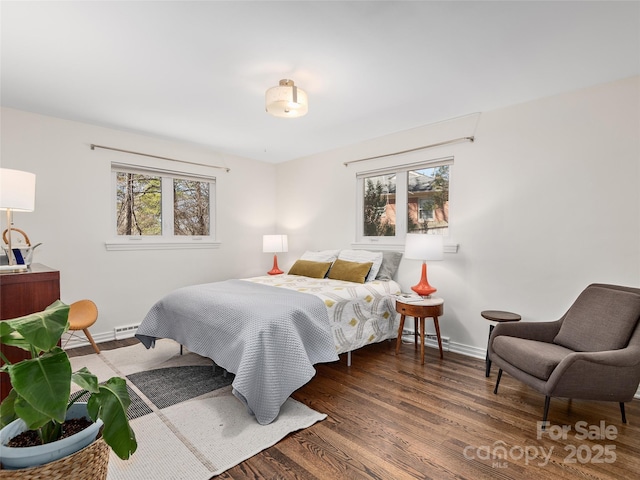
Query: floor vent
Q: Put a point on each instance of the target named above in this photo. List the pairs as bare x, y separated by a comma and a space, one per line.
125, 331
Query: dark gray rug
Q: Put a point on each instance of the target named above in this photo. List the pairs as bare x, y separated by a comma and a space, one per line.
168, 386
137, 408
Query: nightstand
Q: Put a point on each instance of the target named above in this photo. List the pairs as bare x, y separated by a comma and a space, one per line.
428, 307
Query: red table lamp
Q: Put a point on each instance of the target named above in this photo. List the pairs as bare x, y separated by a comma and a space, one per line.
422, 246
274, 244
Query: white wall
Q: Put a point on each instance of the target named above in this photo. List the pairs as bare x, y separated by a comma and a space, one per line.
72, 216
544, 202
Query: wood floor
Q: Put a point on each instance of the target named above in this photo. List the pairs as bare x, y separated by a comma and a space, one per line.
391, 418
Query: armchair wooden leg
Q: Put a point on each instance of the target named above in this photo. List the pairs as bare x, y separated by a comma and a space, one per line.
547, 401
495, 390
624, 417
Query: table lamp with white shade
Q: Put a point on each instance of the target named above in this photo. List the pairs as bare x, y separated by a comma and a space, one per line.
17, 194
425, 247
275, 244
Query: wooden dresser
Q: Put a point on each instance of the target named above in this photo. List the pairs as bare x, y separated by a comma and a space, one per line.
23, 293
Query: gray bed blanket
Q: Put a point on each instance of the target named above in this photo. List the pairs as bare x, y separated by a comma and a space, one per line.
269, 337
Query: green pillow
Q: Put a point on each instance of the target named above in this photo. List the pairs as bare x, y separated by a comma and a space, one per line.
349, 271
307, 268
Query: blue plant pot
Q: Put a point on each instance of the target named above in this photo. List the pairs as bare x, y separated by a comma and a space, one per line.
24, 457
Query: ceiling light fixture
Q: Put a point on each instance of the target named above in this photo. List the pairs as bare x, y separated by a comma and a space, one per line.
286, 100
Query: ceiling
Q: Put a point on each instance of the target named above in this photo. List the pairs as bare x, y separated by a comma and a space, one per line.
197, 71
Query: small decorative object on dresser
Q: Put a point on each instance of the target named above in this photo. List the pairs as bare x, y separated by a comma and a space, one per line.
17, 194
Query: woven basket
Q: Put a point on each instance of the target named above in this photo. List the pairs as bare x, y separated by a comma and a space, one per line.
90, 463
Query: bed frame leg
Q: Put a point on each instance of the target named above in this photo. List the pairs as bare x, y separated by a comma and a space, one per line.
348, 358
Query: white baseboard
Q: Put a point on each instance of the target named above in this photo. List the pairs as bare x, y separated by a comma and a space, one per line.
79, 340
448, 345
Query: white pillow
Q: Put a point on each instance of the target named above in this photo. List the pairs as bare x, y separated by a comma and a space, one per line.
363, 256
321, 256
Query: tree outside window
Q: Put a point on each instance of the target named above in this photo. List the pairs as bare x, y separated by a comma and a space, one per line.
139, 204
190, 207
162, 205
379, 206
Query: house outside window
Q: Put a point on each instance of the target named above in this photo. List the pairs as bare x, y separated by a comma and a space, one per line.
428, 202
404, 199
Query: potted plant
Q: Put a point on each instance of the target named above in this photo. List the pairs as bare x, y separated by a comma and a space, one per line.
41, 397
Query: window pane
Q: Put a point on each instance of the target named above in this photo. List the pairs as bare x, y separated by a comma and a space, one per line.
138, 204
190, 207
380, 206
428, 204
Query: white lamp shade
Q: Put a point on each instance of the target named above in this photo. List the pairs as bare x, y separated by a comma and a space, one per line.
17, 190
286, 100
421, 246
275, 243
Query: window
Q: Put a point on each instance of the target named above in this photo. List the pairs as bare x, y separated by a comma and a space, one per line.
379, 206
191, 205
428, 200
404, 199
139, 204
162, 206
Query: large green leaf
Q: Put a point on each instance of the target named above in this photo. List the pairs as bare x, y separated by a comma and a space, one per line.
44, 383
41, 330
8, 336
5, 330
111, 405
85, 380
7, 411
32, 417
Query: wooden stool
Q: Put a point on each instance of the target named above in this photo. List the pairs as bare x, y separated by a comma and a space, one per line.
496, 316
83, 314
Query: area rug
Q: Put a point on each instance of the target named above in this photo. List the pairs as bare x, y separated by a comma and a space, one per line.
167, 386
187, 434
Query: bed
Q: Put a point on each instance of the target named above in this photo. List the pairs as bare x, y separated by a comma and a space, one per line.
270, 330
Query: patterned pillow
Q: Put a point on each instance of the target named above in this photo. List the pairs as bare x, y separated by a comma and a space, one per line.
363, 256
349, 271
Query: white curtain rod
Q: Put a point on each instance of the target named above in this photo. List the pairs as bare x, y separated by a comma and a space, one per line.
93, 147
455, 140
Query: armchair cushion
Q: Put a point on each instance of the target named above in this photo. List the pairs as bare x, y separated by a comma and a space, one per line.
535, 358
599, 319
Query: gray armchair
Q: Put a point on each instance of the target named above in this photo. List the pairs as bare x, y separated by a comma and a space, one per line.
591, 353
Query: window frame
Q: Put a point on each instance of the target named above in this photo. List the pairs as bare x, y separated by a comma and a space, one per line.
402, 200
167, 240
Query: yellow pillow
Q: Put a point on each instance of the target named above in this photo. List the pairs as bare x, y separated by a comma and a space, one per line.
349, 271
307, 268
